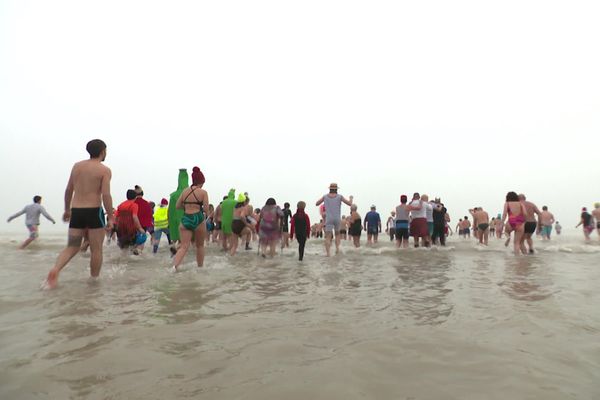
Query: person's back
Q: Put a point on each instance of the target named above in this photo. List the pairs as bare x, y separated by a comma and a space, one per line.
373, 219
144, 213
87, 177
333, 206
161, 217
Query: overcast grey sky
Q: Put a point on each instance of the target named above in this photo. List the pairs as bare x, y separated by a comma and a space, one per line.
459, 99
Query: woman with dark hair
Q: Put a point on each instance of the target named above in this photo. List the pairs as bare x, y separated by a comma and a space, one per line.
514, 209
356, 226
194, 203
269, 222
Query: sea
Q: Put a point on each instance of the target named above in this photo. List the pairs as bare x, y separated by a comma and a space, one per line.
460, 322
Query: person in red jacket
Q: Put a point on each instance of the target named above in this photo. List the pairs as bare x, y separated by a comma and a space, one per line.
300, 227
145, 213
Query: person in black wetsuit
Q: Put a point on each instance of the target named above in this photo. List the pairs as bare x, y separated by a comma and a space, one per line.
285, 236
439, 223
300, 227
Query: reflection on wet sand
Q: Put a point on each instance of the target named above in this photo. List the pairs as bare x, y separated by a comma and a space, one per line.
527, 279
423, 287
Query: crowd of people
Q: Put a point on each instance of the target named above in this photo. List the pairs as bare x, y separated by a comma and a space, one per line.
188, 217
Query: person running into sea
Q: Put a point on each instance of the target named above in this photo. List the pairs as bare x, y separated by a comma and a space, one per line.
333, 214
390, 226
194, 203
402, 222
88, 188
240, 226
499, 226
269, 223
372, 225
418, 224
285, 228
558, 228
587, 220
596, 215
546, 221
129, 229
439, 223
493, 227
482, 220
466, 227
300, 226
515, 211
428, 216
145, 213
161, 224
459, 228
530, 222
355, 226
32, 219
344, 228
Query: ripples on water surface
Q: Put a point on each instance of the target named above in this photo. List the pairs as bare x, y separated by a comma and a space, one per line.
457, 323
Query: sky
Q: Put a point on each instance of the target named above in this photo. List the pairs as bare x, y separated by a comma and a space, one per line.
465, 100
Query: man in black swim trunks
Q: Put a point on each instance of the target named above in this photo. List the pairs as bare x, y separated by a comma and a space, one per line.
88, 188
530, 223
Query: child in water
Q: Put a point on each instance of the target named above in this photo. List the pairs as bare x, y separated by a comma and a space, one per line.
301, 227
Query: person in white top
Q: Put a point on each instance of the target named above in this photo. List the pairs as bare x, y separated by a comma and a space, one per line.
32, 219
418, 224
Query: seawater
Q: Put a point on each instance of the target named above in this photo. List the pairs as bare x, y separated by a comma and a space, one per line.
462, 322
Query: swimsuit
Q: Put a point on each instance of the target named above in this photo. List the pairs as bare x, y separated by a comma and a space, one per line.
483, 227
237, 226
530, 226
192, 221
87, 218
355, 228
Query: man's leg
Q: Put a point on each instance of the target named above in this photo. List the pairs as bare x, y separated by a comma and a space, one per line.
73, 243
328, 238
96, 238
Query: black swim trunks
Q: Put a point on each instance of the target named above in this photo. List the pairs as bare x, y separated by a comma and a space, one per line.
530, 227
237, 226
87, 218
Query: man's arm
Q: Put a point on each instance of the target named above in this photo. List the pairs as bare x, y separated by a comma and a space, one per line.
68, 197
16, 215
48, 217
321, 200
107, 198
347, 202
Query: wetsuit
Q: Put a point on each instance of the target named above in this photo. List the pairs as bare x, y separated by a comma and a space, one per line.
439, 225
300, 227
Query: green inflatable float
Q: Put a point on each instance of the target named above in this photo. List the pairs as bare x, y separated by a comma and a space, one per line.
175, 215
227, 212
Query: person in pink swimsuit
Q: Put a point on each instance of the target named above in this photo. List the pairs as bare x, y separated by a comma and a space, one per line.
515, 211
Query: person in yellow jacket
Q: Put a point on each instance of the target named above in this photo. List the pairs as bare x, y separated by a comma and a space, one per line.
161, 223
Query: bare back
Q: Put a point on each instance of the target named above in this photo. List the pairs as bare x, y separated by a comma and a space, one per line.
88, 179
530, 211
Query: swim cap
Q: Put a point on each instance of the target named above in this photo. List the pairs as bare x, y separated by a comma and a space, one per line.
197, 176
241, 198
164, 202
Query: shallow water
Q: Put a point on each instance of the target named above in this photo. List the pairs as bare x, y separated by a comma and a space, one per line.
462, 322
